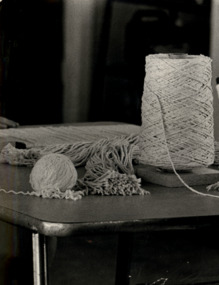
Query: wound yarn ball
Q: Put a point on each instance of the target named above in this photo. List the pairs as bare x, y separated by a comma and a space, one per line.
53, 172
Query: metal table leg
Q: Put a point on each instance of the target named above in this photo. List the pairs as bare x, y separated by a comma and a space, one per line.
39, 249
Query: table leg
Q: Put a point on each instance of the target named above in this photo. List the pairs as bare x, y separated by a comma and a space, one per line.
124, 256
39, 249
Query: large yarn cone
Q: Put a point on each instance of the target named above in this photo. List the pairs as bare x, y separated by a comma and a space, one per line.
177, 112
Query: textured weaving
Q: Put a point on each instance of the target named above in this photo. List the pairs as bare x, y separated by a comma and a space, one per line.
47, 135
177, 112
107, 152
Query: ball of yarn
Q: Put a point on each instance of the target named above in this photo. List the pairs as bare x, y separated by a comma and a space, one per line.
53, 171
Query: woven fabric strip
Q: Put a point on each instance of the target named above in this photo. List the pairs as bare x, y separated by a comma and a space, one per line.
41, 136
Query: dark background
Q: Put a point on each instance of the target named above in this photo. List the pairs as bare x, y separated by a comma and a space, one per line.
31, 55
31, 87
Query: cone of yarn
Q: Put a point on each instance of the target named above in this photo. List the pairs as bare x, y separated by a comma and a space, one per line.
177, 112
53, 172
216, 159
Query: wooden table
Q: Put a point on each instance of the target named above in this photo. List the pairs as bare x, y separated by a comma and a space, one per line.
164, 209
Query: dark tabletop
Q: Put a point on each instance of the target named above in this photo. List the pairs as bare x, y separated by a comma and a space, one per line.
164, 208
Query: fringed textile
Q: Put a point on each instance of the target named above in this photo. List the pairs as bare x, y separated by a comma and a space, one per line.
108, 165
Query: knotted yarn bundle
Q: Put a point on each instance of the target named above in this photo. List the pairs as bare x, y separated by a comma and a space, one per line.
110, 171
177, 112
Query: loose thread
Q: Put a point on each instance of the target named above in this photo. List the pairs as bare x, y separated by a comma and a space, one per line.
68, 194
18, 193
163, 280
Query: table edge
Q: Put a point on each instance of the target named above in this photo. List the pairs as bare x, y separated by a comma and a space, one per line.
60, 229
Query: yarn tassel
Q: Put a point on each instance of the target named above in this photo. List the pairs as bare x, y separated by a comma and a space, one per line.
110, 172
14, 156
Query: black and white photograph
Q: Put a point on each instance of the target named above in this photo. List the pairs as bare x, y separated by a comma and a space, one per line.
109, 142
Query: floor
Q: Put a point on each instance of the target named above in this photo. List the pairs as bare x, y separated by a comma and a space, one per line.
181, 257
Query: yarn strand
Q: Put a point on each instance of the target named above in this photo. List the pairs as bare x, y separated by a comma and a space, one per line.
68, 194
174, 169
